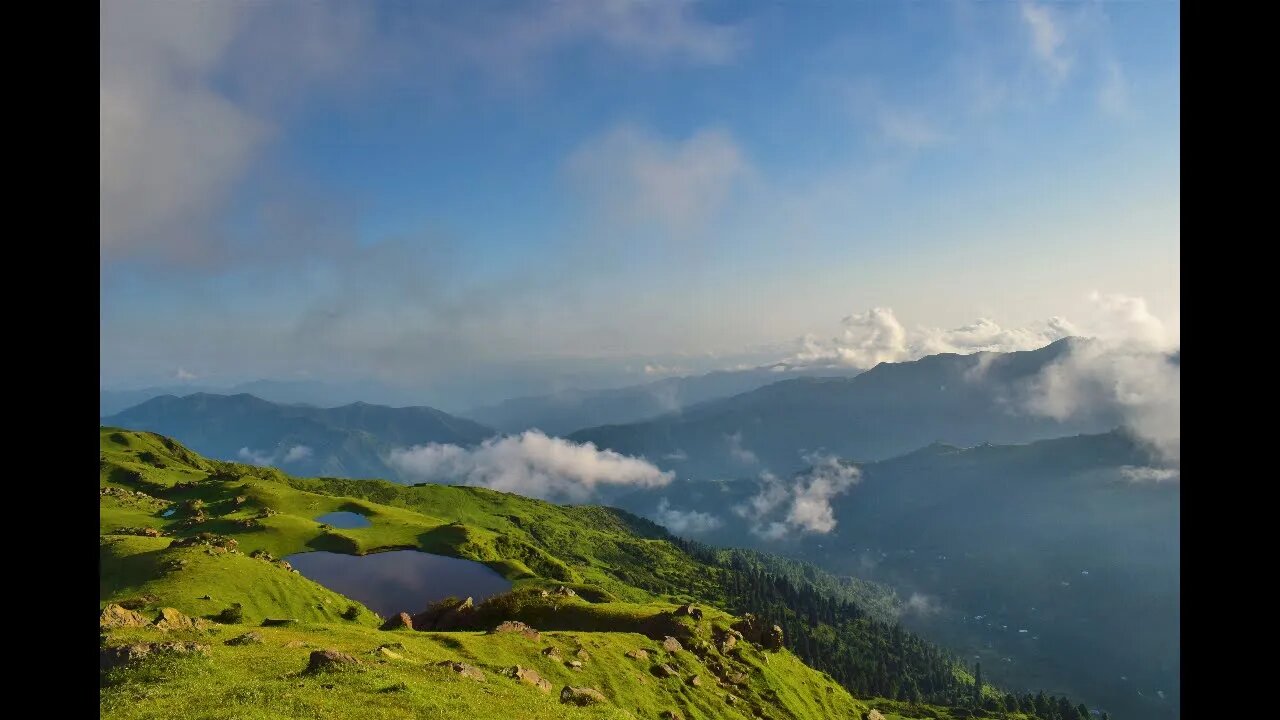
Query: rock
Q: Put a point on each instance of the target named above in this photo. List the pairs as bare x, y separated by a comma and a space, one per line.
690, 610
638, 654
574, 664
516, 626
664, 670
447, 614
739, 678
552, 653
205, 597
388, 653
114, 616
326, 660
295, 644
278, 622
581, 696
563, 591
696, 681
399, 622
171, 619
471, 672
582, 654
873, 714
249, 638
671, 644
123, 654
731, 699
528, 676
772, 638
671, 715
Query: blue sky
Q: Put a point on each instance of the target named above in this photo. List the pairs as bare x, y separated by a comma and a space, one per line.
472, 200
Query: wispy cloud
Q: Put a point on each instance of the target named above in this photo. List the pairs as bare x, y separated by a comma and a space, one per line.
803, 504
637, 178
1047, 38
529, 464
738, 452
1144, 474
685, 522
295, 453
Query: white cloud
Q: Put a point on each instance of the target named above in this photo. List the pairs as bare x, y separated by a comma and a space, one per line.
1047, 38
1149, 474
685, 522
804, 502
639, 179
921, 604
529, 464
678, 456
1126, 368
297, 453
253, 457
184, 376
877, 336
738, 452
656, 369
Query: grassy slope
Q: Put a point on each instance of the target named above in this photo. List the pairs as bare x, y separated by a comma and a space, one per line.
532, 543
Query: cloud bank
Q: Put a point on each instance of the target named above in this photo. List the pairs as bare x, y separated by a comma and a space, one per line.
685, 522
281, 456
529, 464
803, 504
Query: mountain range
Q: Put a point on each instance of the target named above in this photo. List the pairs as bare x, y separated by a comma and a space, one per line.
347, 441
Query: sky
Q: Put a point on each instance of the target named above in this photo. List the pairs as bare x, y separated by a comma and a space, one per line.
472, 201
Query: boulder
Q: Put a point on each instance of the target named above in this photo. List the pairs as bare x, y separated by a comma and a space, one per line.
399, 622
471, 672
515, 626
114, 616
696, 681
690, 610
563, 591
574, 664
171, 619
327, 660
664, 670
639, 654
295, 644
447, 614
388, 653
671, 715
671, 644
582, 654
581, 696
249, 638
552, 653
528, 676
873, 714
772, 638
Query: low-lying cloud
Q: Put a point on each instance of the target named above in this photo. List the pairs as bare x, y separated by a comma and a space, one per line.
803, 504
876, 336
685, 522
920, 604
295, 453
530, 464
1145, 474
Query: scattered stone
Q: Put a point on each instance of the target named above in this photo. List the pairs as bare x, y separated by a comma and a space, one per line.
386, 652
772, 638
583, 654
399, 622
639, 654
671, 715
205, 597
731, 699
295, 644
528, 676
114, 616
753, 630
574, 664
111, 657
171, 619
739, 678
240, 500
664, 670
471, 672
278, 622
690, 610
581, 696
874, 714
696, 681
563, 591
552, 653
447, 614
671, 644
326, 660
249, 638
516, 626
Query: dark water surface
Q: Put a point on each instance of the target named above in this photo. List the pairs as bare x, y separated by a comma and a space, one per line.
345, 520
400, 580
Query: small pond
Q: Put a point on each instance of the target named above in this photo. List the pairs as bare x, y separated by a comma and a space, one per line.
400, 580
168, 513
345, 520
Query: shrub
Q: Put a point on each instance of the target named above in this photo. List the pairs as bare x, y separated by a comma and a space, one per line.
351, 613
233, 615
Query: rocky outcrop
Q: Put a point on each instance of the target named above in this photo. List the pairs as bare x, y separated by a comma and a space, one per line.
448, 614
690, 610
515, 626
115, 616
581, 696
470, 672
249, 638
116, 656
330, 660
171, 619
399, 622
754, 630
528, 676
873, 714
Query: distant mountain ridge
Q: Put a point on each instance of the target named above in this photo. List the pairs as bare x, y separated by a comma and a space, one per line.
889, 410
347, 441
563, 412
